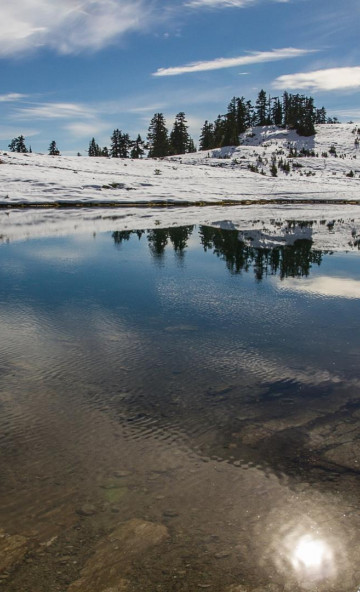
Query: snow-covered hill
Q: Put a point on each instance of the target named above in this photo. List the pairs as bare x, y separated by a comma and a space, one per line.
222, 175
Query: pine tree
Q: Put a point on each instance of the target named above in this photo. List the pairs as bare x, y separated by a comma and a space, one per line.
261, 109
320, 115
241, 115
124, 145
137, 150
219, 131
277, 112
18, 145
306, 125
190, 148
21, 144
179, 137
250, 115
230, 128
53, 150
115, 144
207, 139
105, 152
94, 148
158, 139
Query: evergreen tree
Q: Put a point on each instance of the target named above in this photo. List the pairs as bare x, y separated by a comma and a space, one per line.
306, 126
158, 139
105, 152
241, 115
179, 137
191, 146
94, 148
277, 112
18, 145
124, 145
230, 126
261, 109
53, 149
250, 115
137, 150
207, 139
320, 117
115, 144
219, 131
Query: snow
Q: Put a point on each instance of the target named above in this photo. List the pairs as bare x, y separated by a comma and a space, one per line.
220, 175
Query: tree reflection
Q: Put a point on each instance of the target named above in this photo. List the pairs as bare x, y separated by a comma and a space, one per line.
158, 238
287, 261
294, 260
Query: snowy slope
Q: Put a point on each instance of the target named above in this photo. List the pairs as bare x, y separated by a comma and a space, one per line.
218, 175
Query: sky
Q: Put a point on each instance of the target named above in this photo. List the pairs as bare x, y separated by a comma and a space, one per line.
78, 69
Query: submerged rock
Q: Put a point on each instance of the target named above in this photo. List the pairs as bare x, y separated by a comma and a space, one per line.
107, 570
86, 510
121, 474
12, 550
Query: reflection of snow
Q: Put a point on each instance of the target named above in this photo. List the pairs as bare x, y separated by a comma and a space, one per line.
325, 285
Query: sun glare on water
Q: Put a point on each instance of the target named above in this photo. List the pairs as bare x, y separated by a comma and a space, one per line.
313, 558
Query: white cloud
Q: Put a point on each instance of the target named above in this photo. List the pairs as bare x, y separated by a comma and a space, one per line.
54, 111
225, 3
11, 97
255, 57
329, 79
67, 26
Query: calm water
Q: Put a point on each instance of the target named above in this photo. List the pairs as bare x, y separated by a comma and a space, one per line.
178, 411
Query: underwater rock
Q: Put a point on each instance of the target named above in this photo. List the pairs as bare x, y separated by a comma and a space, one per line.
12, 550
107, 570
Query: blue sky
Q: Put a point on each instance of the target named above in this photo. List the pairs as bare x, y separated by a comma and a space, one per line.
75, 69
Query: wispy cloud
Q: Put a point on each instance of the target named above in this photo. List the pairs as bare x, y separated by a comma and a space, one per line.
54, 111
84, 129
68, 26
225, 3
11, 97
8, 132
328, 79
255, 57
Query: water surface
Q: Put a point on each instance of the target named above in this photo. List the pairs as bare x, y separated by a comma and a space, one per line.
186, 381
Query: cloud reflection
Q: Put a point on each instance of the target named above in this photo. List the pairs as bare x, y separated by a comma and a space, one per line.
334, 287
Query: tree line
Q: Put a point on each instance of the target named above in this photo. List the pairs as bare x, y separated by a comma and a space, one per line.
296, 112
293, 111
159, 141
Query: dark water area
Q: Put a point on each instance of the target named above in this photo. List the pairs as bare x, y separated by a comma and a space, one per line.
179, 410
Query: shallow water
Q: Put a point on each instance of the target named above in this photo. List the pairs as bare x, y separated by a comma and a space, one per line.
191, 393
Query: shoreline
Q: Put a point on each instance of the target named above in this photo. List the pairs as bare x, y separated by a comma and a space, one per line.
174, 204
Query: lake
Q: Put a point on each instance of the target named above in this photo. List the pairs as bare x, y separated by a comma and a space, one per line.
180, 410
